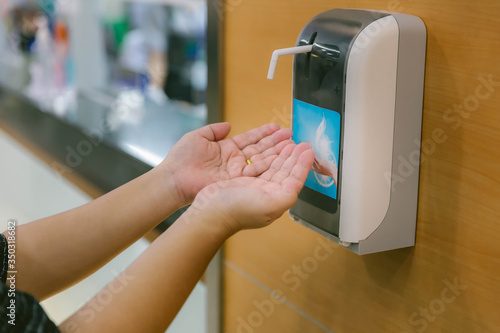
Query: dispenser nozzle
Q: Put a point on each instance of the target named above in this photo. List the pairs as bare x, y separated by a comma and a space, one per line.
281, 52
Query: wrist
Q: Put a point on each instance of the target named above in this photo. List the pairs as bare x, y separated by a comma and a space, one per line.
205, 214
167, 191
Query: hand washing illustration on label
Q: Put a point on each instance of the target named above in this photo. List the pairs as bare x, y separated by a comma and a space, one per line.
325, 164
320, 127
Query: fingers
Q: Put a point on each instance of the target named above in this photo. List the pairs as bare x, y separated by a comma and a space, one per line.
215, 132
269, 145
253, 136
290, 163
298, 175
278, 162
258, 167
273, 151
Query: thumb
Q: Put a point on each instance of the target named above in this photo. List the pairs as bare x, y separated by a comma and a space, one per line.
215, 132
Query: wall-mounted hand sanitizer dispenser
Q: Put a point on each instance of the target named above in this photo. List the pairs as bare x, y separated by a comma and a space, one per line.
357, 98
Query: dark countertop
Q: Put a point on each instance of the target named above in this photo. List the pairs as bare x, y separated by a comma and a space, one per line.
108, 141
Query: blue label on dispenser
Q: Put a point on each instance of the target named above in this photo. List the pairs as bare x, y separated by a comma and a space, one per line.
320, 127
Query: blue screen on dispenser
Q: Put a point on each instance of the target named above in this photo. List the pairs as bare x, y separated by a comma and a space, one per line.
320, 127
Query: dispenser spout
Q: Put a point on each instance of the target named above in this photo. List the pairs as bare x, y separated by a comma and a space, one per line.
287, 51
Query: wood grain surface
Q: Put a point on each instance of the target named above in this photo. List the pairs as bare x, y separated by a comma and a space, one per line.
448, 282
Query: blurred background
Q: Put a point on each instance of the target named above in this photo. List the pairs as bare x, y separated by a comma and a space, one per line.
153, 50
123, 80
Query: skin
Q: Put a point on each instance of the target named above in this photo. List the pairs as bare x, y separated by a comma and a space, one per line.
326, 168
227, 196
162, 278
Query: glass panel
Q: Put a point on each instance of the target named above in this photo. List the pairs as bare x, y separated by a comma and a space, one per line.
152, 49
158, 48
135, 72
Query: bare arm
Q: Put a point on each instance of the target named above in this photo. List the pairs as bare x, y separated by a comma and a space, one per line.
56, 252
160, 280
148, 295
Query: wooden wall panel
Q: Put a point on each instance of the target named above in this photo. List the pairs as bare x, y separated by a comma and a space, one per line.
257, 306
409, 290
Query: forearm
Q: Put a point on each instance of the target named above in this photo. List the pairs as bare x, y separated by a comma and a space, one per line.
55, 252
148, 295
155, 286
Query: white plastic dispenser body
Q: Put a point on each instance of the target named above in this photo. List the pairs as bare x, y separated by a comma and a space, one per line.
357, 97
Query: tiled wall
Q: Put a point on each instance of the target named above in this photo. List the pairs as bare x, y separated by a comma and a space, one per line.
450, 281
